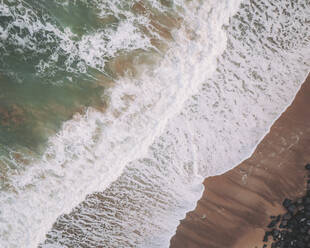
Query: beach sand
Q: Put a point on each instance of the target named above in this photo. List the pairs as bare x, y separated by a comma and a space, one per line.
236, 207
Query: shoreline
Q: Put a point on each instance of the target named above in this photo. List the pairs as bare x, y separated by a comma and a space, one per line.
235, 207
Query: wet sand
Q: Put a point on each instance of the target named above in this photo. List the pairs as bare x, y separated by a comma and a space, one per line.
235, 207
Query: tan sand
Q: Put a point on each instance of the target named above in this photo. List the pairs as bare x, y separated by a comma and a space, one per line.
235, 207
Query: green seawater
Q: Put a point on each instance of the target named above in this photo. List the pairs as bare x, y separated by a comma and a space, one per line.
58, 57
34, 102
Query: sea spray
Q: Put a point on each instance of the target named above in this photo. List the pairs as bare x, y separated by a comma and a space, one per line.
216, 129
92, 150
167, 154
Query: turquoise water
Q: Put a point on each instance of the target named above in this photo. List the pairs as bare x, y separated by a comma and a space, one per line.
44, 78
47, 73
36, 99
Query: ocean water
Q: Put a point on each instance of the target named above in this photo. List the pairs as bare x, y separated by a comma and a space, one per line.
113, 112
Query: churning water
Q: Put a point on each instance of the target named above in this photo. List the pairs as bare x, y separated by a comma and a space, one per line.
113, 112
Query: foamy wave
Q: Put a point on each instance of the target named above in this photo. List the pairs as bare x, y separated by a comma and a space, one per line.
217, 128
91, 151
196, 113
26, 30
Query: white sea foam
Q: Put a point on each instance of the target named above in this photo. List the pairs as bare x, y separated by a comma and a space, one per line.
91, 151
199, 112
217, 128
35, 32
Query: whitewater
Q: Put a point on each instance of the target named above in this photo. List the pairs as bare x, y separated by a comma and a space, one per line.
193, 104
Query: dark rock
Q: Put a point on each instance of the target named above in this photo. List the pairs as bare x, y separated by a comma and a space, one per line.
283, 224
300, 208
275, 234
265, 239
306, 200
282, 244
287, 216
300, 244
286, 203
307, 208
291, 208
272, 224
294, 228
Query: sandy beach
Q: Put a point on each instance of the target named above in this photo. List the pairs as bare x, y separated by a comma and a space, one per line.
236, 207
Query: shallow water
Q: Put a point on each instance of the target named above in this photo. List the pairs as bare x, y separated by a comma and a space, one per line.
131, 104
